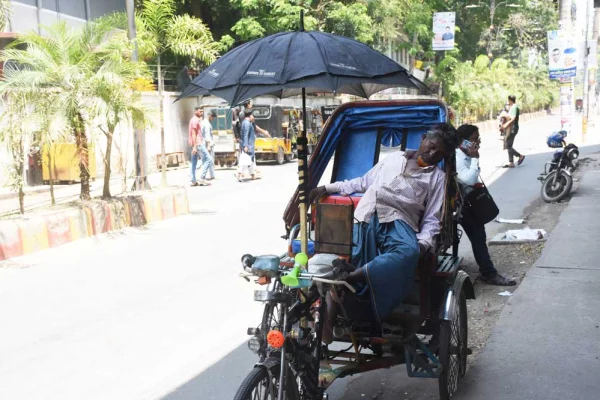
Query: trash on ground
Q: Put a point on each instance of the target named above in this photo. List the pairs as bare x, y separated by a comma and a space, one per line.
510, 221
505, 293
522, 262
524, 234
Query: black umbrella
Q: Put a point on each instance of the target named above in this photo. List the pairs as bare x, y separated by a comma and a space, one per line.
293, 63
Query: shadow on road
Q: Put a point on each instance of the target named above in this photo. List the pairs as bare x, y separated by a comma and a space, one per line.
221, 380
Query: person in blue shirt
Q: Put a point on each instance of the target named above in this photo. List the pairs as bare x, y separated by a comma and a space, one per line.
448, 35
467, 170
248, 137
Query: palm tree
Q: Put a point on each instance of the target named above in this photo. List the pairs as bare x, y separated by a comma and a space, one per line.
14, 127
160, 30
63, 62
5, 13
119, 100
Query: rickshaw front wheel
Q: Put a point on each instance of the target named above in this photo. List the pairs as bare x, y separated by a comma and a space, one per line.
453, 349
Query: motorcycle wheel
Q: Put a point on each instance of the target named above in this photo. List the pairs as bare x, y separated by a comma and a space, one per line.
263, 383
552, 193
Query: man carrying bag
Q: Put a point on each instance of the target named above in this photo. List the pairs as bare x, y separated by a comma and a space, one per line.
479, 207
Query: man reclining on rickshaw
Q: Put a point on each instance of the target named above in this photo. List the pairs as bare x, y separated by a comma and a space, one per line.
398, 218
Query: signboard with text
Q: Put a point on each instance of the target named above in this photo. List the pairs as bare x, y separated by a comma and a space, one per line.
562, 55
443, 30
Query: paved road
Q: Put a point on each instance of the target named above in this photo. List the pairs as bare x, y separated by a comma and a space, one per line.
159, 312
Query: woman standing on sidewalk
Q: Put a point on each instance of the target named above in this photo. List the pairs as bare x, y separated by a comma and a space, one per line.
467, 168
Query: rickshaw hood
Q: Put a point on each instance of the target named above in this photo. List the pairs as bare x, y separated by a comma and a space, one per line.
395, 123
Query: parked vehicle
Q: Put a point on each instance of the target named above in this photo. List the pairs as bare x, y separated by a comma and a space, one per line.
557, 179
428, 332
278, 121
579, 105
226, 146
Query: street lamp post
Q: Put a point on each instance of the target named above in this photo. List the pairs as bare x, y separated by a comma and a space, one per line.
492, 7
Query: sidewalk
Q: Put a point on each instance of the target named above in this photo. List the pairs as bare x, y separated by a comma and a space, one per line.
39, 196
546, 343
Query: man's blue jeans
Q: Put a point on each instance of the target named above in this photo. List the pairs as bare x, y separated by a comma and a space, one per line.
207, 162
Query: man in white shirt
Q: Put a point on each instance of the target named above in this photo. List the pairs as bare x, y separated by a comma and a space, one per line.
208, 138
467, 170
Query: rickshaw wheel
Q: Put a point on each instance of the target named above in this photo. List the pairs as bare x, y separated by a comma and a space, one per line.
453, 350
280, 156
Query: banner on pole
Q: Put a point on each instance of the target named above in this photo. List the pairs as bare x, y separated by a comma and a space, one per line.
562, 54
443, 30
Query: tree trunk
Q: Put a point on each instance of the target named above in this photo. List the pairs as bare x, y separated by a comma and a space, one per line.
84, 158
163, 159
106, 188
51, 177
21, 199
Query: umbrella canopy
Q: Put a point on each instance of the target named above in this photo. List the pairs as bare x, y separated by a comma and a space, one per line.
293, 63
284, 63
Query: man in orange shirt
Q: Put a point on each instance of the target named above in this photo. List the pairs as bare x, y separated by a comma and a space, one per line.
196, 141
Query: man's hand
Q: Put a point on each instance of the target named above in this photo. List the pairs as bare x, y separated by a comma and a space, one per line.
267, 134
316, 194
246, 149
194, 150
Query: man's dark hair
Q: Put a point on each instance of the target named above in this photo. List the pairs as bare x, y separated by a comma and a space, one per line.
465, 131
248, 113
446, 133
556, 50
246, 103
197, 108
447, 27
213, 113
512, 98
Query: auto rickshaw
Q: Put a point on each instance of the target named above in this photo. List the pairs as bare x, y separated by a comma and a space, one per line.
225, 146
278, 121
427, 332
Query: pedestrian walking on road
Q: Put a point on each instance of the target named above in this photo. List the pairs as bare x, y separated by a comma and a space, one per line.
511, 128
247, 147
196, 142
209, 142
467, 169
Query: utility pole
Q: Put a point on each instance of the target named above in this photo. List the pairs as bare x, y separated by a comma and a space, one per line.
141, 180
586, 70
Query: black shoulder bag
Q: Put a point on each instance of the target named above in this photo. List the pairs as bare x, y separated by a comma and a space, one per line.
481, 204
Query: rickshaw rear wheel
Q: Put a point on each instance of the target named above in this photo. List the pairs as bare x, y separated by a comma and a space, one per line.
453, 349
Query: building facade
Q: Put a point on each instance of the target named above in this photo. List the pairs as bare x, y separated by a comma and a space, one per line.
33, 15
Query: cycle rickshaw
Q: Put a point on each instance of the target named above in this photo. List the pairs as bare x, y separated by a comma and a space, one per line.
427, 332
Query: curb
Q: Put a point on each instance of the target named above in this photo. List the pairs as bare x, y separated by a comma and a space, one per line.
42, 231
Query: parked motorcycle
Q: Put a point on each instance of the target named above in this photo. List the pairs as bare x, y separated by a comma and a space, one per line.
557, 179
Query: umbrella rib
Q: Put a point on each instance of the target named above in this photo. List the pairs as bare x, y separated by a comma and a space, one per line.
283, 78
333, 86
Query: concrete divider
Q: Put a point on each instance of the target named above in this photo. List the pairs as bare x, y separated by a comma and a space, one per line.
10, 240
43, 230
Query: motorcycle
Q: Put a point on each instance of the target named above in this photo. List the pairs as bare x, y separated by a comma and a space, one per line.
557, 178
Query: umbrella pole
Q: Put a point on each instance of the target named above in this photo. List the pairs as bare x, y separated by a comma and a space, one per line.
302, 143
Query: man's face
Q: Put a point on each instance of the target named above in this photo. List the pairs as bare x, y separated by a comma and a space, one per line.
556, 55
447, 29
199, 113
431, 151
249, 105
